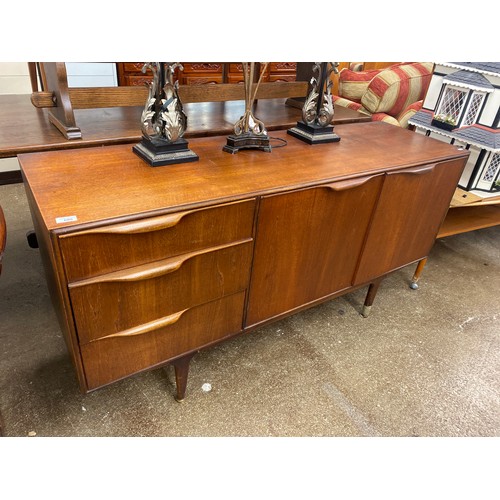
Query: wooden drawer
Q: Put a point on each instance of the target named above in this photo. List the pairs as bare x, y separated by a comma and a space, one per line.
202, 67
120, 301
283, 67
202, 80
240, 78
109, 359
135, 67
236, 68
235, 79
115, 247
137, 80
281, 78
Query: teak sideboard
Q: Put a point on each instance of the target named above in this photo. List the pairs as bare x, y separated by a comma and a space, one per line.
147, 266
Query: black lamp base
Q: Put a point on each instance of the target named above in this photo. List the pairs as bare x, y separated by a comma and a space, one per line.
160, 153
247, 141
313, 134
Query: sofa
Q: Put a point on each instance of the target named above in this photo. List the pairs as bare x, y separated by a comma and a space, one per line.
392, 95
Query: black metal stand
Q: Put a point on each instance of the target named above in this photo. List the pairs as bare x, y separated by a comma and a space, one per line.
317, 112
313, 134
159, 153
247, 141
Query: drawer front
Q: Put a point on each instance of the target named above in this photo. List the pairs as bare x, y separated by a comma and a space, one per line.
235, 78
202, 80
115, 247
135, 67
236, 68
202, 67
119, 301
287, 67
281, 78
137, 80
113, 358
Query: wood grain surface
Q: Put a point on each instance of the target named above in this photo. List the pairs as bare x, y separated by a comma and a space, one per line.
82, 183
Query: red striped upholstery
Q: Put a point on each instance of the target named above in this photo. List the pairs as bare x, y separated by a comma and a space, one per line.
391, 95
353, 84
384, 117
409, 112
395, 88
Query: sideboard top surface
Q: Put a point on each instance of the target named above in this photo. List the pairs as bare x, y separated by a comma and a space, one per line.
112, 183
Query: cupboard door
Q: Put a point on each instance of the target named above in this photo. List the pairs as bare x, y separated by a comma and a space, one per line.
307, 244
412, 206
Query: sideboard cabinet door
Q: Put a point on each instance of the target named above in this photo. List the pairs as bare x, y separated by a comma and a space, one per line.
307, 244
412, 206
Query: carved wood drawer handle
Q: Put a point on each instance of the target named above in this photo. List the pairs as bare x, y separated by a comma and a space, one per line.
141, 226
350, 184
152, 270
416, 171
146, 327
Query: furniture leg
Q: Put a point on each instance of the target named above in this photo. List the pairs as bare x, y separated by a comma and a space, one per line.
370, 297
61, 115
181, 366
418, 272
32, 240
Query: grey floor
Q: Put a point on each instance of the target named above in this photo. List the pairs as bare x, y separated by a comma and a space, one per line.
425, 363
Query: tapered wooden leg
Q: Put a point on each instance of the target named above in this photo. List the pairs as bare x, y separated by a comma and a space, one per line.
370, 297
418, 272
181, 367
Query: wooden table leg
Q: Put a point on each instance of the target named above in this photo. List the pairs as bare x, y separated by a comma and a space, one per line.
181, 366
418, 272
370, 297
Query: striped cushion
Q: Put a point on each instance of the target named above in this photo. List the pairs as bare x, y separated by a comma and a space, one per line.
353, 84
395, 88
409, 112
346, 103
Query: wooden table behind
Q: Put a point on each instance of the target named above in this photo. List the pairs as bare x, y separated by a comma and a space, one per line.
26, 129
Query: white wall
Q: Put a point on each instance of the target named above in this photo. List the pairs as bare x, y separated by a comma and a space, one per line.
14, 78
92, 74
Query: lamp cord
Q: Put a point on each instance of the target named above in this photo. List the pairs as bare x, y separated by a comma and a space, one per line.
283, 141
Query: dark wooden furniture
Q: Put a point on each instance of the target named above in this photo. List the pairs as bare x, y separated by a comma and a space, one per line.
148, 265
202, 73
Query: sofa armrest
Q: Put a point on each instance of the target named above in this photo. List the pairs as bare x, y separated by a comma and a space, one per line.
408, 112
384, 117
